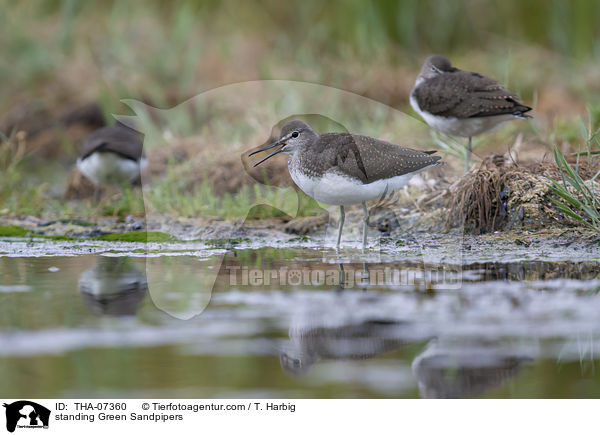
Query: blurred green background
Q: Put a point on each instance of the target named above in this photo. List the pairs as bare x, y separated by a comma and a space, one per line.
167, 51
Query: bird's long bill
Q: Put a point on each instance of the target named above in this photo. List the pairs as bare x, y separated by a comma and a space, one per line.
268, 147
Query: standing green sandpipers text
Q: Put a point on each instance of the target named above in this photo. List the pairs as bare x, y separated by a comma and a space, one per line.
462, 103
344, 169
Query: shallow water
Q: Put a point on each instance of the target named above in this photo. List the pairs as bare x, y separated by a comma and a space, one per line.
117, 320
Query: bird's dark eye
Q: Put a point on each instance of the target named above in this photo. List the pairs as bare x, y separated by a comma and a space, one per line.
295, 134
433, 68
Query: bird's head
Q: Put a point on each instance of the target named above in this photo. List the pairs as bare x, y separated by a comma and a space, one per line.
435, 65
294, 136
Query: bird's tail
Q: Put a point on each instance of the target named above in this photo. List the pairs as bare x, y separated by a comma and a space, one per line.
520, 112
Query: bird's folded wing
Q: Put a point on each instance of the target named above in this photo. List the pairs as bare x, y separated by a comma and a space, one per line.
126, 143
465, 94
370, 159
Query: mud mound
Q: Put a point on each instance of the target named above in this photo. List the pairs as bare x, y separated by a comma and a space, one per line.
502, 195
78, 186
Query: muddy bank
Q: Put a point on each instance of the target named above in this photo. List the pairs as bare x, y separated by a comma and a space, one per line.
174, 227
506, 195
165, 235
510, 202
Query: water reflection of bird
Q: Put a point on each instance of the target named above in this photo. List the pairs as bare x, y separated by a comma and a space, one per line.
445, 369
456, 371
113, 286
349, 342
322, 335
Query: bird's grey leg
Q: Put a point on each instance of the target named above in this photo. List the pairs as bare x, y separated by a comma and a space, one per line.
342, 217
342, 277
96, 194
468, 157
365, 225
382, 197
366, 277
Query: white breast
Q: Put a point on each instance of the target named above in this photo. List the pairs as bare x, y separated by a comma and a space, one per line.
109, 168
336, 189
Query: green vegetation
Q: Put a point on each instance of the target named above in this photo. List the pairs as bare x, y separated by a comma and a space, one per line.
138, 236
12, 231
17, 192
169, 197
114, 203
578, 199
15, 231
165, 52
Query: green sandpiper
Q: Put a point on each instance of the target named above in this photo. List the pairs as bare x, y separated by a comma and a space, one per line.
112, 154
344, 169
462, 103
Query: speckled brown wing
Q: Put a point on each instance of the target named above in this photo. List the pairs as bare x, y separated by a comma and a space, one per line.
463, 94
366, 158
119, 140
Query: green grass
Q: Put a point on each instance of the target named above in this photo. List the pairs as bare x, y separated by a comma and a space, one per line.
117, 202
576, 198
13, 231
17, 191
174, 195
59, 238
202, 201
134, 236
129, 202
137, 236
169, 196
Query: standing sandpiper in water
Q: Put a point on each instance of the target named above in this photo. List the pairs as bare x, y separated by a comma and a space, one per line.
462, 103
344, 169
112, 155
